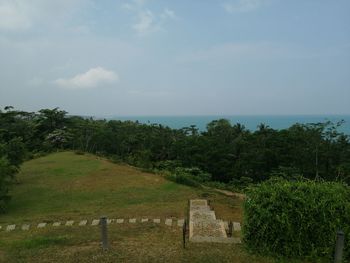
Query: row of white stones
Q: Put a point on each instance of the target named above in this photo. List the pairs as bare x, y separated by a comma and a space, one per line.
95, 222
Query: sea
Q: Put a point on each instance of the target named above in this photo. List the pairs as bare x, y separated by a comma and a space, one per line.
251, 122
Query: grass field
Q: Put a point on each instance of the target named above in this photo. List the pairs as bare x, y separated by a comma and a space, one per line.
66, 186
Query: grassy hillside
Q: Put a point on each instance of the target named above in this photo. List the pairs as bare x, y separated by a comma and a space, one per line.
70, 186
66, 186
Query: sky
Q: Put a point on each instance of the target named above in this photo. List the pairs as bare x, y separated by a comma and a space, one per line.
176, 57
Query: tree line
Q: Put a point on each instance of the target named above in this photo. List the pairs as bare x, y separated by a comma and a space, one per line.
225, 153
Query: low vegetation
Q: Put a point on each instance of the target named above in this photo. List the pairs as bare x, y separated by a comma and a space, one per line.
297, 219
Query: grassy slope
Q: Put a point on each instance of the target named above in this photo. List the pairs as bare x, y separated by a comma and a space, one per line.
65, 186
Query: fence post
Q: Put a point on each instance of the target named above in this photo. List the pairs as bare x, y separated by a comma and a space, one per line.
103, 222
339, 246
230, 226
184, 228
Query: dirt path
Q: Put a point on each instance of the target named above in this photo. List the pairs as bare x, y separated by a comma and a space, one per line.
226, 192
229, 193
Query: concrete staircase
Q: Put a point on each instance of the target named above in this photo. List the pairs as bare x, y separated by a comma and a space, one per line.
203, 225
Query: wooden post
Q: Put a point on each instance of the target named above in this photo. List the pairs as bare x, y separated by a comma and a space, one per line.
184, 228
230, 227
104, 238
339, 246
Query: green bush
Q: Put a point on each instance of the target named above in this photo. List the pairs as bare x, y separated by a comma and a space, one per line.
169, 165
183, 175
194, 172
183, 179
296, 219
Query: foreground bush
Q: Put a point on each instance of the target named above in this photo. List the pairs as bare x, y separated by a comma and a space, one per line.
296, 219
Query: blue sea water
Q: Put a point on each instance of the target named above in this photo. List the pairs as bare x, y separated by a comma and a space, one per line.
249, 121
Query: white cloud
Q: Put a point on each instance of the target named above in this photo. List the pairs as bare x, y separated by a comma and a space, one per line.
16, 15
91, 79
167, 13
146, 21
242, 5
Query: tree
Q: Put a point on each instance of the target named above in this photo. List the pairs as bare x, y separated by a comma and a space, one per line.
7, 175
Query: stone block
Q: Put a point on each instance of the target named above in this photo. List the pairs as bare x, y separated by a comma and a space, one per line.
169, 222
25, 227
10, 228
202, 215
83, 223
236, 226
42, 225
110, 221
180, 222
95, 222
69, 223
56, 224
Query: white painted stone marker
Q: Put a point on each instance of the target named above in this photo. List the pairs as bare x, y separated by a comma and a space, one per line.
120, 221
10, 228
95, 222
132, 220
56, 224
144, 220
169, 222
83, 223
41, 225
69, 223
110, 221
236, 226
25, 227
180, 222
156, 220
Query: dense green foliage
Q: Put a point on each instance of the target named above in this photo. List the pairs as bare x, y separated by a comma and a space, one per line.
12, 150
296, 219
224, 153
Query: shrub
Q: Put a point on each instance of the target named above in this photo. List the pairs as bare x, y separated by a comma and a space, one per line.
169, 165
193, 176
195, 173
183, 179
296, 219
185, 176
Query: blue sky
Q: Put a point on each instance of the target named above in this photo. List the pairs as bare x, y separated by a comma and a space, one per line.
183, 57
